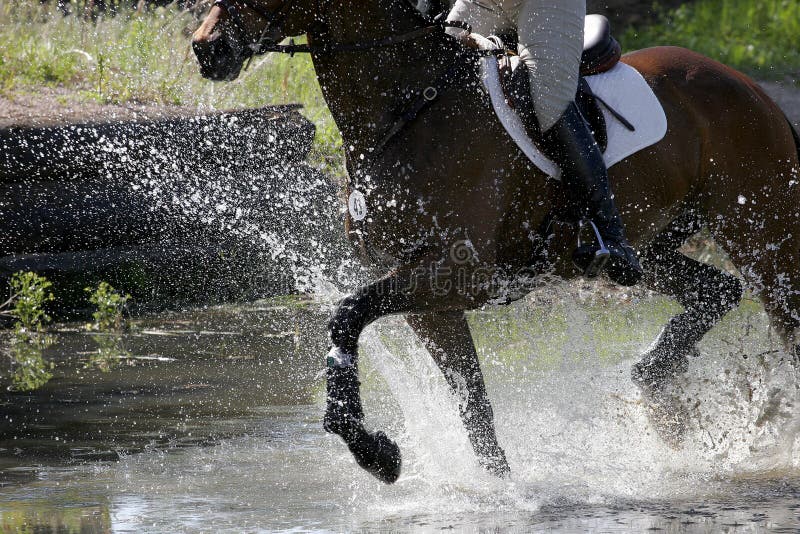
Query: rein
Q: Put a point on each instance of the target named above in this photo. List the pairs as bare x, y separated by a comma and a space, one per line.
358, 46
403, 116
259, 47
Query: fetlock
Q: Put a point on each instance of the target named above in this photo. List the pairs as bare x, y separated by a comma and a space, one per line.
343, 413
494, 460
668, 358
482, 436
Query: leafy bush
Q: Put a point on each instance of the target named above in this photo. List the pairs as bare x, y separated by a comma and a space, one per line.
110, 304
30, 294
109, 321
29, 370
759, 37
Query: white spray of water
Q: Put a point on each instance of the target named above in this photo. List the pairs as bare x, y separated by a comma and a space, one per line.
578, 432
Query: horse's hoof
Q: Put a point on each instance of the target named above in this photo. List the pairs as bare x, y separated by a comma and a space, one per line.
668, 416
378, 455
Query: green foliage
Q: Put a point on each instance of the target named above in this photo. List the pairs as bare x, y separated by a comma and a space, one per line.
759, 37
110, 351
109, 321
29, 371
110, 305
146, 57
30, 294
34, 516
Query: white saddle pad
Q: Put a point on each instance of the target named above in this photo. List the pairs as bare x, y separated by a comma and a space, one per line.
622, 87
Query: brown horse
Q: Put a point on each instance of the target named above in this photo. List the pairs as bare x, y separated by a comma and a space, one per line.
454, 214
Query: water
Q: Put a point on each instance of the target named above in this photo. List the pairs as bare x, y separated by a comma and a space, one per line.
219, 429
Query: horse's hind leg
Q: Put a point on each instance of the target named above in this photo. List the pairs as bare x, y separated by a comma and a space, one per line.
769, 259
755, 215
705, 292
447, 337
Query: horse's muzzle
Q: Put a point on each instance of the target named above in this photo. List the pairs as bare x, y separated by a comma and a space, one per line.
217, 58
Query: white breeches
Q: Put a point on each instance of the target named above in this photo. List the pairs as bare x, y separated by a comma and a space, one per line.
550, 37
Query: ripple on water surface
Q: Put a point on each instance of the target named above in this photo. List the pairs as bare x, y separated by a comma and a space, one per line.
583, 453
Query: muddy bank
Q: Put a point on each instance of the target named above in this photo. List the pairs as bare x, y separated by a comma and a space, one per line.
55, 106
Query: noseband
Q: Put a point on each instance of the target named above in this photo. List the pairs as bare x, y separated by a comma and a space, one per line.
270, 17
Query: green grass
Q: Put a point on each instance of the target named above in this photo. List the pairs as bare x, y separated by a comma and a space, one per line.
146, 58
760, 37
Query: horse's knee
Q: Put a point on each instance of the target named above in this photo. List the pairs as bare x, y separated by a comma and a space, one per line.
356, 311
347, 322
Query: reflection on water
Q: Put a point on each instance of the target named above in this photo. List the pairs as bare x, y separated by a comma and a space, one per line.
213, 424
29, 371
179, 371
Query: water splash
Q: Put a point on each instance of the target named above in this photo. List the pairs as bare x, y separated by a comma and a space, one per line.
577, 433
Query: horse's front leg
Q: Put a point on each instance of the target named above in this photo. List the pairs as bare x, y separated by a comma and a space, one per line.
399, 293
447, 337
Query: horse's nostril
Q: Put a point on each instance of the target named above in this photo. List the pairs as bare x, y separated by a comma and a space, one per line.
216, 58
203, 48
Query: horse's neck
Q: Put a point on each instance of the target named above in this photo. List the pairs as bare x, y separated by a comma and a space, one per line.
362, 89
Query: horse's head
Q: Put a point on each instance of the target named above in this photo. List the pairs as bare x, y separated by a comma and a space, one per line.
233, 30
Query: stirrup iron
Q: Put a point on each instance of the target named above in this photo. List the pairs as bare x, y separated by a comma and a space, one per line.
601, 255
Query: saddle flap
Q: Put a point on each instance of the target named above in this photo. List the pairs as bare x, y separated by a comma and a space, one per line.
516, 87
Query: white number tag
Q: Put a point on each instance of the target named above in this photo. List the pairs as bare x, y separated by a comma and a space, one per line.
357, 205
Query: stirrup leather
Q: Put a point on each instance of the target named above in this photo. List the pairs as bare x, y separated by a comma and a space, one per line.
601, 255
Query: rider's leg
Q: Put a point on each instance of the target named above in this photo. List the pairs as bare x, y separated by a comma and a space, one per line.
551, 44
583, 172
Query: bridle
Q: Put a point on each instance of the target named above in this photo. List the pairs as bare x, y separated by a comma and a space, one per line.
407, 112
413, 108
270, 17
277, 16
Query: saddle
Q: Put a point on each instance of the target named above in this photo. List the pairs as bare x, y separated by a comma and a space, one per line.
601, 52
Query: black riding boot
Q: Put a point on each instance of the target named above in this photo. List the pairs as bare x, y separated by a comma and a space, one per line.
571, 145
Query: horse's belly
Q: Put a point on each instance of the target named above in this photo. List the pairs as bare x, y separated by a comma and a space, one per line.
439, 227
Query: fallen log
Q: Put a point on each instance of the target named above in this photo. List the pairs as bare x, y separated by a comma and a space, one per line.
175, 210
243, 138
